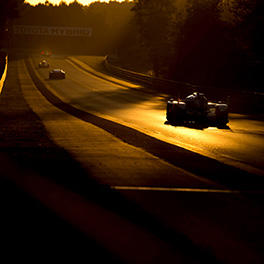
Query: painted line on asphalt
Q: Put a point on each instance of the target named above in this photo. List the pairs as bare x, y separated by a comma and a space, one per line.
173, 189
187, 190
107, 228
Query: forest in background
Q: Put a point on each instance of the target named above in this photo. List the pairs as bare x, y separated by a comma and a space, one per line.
107, 20
205, 42
208, 42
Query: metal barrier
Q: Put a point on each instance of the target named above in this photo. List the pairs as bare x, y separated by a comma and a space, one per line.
162, 85
239, 101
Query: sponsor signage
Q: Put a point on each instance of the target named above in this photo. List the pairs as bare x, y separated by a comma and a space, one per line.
53, 31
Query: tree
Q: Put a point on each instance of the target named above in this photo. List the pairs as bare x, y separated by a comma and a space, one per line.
200, 43
246, 17
246, 21
8, 11
155, 20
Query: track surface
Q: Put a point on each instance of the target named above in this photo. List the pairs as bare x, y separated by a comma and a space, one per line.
240, 145
184, 202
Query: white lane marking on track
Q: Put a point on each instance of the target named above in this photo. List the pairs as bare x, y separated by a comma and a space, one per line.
167, 189
190, 190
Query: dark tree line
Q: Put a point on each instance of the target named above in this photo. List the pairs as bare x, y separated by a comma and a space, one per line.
107, 20
212, 42
9, 10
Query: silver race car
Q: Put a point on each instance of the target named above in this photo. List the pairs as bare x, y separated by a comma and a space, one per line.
57, 74
196, 109
43, 64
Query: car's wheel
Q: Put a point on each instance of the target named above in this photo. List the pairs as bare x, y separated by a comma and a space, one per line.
169, 117
221, 123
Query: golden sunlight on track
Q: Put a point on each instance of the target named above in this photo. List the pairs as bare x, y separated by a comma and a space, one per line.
240, 145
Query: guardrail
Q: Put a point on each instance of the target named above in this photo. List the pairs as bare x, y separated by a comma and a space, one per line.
3, 78
247, 102
162, 85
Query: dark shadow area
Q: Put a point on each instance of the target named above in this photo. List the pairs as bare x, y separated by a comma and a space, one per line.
2, 62
27, 225
195, 125
33, 233
28, 229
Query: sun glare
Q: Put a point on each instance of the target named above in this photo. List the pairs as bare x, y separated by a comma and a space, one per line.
56, 2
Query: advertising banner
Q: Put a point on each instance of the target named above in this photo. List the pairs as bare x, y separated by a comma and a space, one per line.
53, 31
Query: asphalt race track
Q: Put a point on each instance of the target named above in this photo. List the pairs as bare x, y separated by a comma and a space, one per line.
96, 153
136, 107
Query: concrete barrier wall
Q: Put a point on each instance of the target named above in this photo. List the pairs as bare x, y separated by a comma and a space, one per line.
3, 78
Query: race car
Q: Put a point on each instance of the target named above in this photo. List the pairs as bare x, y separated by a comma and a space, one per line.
196, 109
57, 74
43, 64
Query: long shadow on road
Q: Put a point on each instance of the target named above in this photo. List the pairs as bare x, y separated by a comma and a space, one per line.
29, 229
26, 224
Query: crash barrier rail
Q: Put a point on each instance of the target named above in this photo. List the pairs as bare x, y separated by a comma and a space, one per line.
163, 85
2, 80
170, 87
247, 102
